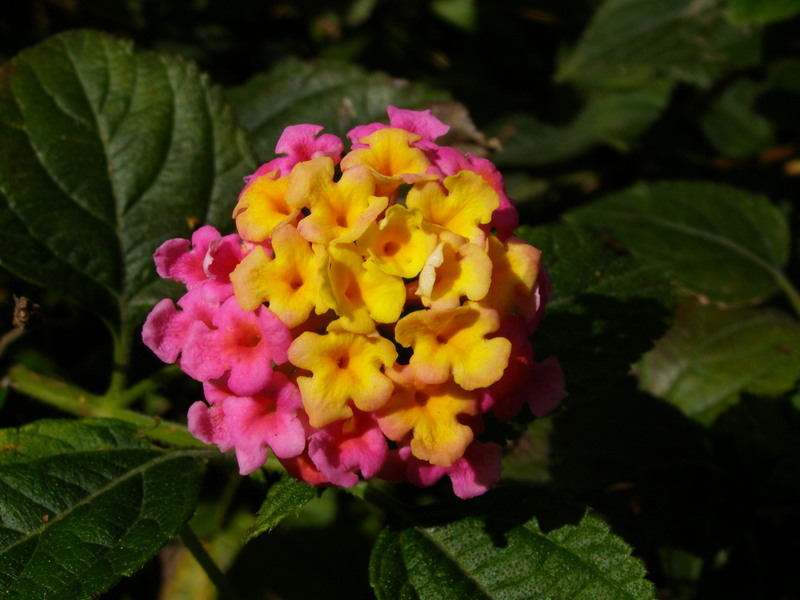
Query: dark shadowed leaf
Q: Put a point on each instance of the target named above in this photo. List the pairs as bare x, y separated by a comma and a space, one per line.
606, 311
85, 503
612, 118
336, 95
688, 40
723, 243
733, 127
284, 498
106, 152
512, 544
648, 467
762, 11
710, 357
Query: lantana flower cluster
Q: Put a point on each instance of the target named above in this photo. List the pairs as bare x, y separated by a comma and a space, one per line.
369, 312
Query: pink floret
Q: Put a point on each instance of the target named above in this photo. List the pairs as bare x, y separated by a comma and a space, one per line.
166, 327
268, 419
549, 387
419, 122
246, 343
340, 455
207, 424
471, 475
182, 261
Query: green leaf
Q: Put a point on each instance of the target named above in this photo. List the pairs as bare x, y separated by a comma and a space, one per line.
723, 243
733, 127
687, 40
762, 11
509, 550
284, 498
710, 357
84, 503
106, 152
606, 311
333, 94
612, 117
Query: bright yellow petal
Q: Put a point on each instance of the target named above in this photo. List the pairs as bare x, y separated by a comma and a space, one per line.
262, 207
463, 203
289, 282
346, 368
453, 342
430, 415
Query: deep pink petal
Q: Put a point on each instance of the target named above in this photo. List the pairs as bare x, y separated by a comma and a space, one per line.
340, 455
421, 122
477, 471
183, 262
266, 420
207, 424
549, 387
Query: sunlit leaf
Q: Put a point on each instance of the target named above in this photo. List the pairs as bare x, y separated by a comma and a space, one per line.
509, 551
85, 503
336, 95
284, 499
710, 357
723, 243
105, 152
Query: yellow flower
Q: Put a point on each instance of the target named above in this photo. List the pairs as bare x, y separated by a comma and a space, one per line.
453, 343
346, 367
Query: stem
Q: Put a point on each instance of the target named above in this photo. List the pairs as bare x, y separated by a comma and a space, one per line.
79, 402
119, 370
133, 393
211, 569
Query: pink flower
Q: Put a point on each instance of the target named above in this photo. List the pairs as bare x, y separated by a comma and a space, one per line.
166, 327
246, 343
343, 449
209, 256
419, 122
300, 143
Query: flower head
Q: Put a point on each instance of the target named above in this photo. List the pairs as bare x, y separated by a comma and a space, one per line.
371, 309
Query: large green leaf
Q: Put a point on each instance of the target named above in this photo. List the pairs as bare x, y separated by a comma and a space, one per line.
689, 40
84, 503
710, 357
510, 550
105, 152
611, 117
606, 311
723, 243
333, 94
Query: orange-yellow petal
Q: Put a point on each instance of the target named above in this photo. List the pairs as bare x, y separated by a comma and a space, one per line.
346, 368
453, 342
462, 204
262, 207
358, 291
430, 415
461, 269
391, 158
515, 267
339, 211
289, 282
398, 245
